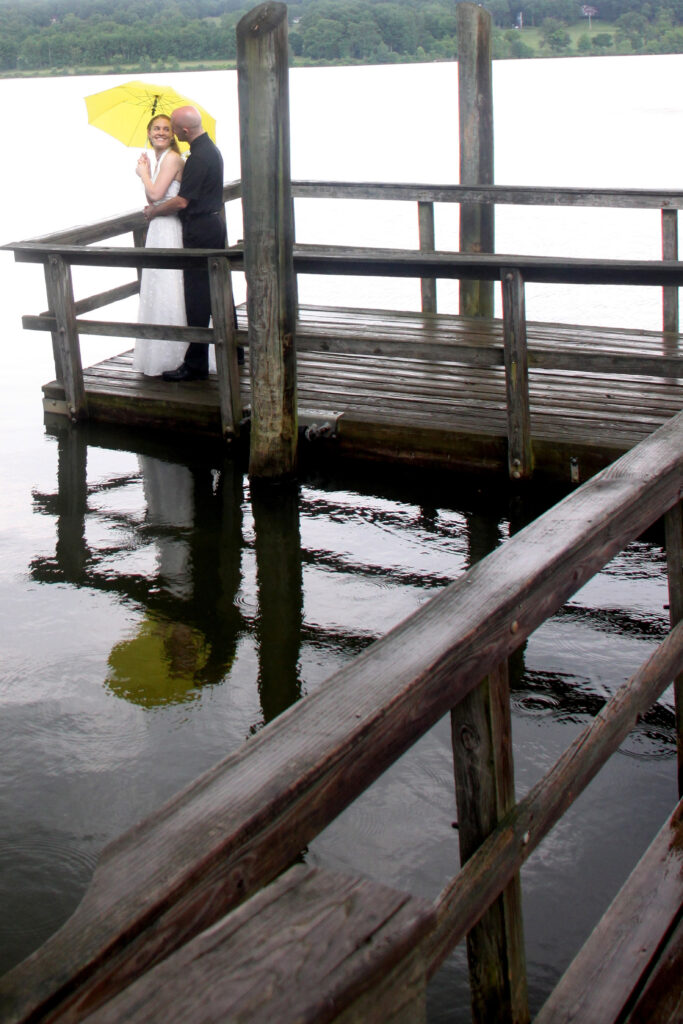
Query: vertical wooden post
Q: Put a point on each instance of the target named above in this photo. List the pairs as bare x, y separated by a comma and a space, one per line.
670, 252
263, 90
484, 784
56, 351
139, 239
673, 524
61, 303
481, 732
475, 100
227, 369
520, 460
425, 216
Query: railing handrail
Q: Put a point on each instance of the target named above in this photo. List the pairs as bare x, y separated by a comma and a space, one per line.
515, 195
246, 819
360, 261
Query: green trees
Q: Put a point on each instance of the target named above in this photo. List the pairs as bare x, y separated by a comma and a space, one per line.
55, 35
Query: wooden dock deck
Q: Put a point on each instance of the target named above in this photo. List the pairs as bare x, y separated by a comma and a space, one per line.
430, 389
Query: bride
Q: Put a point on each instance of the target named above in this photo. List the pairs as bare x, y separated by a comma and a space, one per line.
162, 300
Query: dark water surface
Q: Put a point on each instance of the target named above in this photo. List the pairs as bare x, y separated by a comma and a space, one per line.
163, 613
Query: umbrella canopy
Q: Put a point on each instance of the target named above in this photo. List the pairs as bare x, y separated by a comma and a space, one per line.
126, 110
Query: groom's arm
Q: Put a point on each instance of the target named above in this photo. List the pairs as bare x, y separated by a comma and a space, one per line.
174, 205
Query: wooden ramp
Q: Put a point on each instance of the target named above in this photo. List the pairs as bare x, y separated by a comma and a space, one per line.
430, 388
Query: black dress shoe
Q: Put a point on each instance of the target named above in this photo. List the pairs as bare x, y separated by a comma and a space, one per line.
184, 373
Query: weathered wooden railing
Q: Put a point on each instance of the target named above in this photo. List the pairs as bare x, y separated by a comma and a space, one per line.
157, 932
426, 196
65, 318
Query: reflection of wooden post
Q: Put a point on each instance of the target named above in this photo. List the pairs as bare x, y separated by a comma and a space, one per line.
263, 89
674, 557
223, 317
481, 734
60, 297
278, 567
72, 500
475, 95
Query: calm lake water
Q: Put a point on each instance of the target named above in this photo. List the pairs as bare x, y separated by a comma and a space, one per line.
134, 656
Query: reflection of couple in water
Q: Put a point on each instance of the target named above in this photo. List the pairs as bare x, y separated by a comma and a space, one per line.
188, 635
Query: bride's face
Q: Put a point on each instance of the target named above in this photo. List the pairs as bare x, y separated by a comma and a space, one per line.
160, 134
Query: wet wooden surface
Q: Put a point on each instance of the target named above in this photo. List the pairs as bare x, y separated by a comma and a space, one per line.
431, 388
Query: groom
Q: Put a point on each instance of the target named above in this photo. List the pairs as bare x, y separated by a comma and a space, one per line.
199, 204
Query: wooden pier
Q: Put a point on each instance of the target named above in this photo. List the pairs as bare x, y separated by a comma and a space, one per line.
429, 389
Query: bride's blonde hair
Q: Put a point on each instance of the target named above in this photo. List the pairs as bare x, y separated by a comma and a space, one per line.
164, 117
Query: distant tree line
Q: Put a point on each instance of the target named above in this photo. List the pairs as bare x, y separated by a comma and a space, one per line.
60, 35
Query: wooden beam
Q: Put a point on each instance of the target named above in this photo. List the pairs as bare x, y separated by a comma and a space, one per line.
520, 459
227, 369
673, 529
481, 732
313, 946
263, 92
475, 103
61, 300
670, 252
425, 215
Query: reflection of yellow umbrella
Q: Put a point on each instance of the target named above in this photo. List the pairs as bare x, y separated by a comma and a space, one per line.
126, 110
161, 664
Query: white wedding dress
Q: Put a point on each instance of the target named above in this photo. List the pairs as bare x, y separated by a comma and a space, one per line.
162, 300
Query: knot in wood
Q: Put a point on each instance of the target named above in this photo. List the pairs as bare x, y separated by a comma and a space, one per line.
469, 737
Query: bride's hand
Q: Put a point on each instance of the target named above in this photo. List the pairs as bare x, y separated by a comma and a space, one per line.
143, 165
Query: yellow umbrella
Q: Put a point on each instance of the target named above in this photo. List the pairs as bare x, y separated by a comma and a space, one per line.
126, 110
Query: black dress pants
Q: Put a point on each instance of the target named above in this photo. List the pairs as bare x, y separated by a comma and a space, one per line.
205, 231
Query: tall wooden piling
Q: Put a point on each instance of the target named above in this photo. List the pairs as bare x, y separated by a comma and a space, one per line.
475, 103
263, 90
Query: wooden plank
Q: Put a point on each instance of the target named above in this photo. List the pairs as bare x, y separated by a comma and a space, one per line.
614, 963
123, 329
313, 946
516, 195
375, 262
673, 530
246, 819
398, 342
661, 1002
